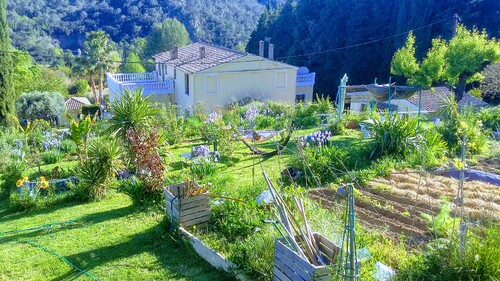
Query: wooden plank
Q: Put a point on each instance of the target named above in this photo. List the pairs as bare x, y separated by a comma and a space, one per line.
196, 221
208, 254
278, 245
290, 267
193, 221
187, 206
279, 276
191, 216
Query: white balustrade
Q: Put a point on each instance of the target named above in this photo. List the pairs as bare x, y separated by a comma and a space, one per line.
306, 79
147, 81
134, 77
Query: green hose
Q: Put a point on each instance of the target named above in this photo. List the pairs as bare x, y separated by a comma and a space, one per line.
60, 257
43, 226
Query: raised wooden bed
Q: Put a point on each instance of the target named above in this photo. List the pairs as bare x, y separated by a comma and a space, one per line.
186, 211
289, 266
213, 257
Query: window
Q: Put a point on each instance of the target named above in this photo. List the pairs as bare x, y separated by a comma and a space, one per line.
281, 80
211, 84
186, 83
300, 98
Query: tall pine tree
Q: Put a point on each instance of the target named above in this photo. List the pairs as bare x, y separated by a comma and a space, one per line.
7, 95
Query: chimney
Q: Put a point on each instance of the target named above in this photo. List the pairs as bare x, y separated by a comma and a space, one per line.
202, 52
174, 53
261, 48
271, 51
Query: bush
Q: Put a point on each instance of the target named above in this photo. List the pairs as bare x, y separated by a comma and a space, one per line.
490, 117
40, 105
306, 116
441, 259
92, 110
172, 124
202, 167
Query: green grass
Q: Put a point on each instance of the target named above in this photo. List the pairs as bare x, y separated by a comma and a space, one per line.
111, 239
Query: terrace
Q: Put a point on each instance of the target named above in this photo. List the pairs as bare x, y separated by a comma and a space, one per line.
147, 81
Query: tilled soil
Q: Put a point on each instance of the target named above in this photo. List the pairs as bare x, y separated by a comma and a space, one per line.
490, 165
395, 204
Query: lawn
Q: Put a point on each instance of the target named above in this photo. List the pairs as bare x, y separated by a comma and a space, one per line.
111, 239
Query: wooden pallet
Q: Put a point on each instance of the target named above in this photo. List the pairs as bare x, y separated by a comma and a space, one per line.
186, 211
289, 266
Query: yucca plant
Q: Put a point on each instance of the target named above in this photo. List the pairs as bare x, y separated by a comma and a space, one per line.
101, 165
394, 136
131, 111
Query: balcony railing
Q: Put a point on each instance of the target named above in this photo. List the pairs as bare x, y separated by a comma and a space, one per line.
147, 81
306, 79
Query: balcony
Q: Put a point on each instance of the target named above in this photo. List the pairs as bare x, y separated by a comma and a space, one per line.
304, 80
147, 81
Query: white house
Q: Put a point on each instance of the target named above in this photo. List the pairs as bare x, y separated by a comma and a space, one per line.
215, 76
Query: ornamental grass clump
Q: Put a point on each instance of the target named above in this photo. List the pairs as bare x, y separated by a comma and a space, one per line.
394, 136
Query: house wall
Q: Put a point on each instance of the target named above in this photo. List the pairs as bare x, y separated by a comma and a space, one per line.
308, 90
183, 101
243, 78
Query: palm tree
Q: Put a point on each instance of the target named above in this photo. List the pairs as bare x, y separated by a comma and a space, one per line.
101, 53
84, 67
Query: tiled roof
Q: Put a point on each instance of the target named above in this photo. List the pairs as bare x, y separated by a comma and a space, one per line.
433, 101
188, 57
76, 103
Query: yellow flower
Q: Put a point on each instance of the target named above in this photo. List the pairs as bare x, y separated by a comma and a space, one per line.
42, 178
25, 178
19, 183
44, 185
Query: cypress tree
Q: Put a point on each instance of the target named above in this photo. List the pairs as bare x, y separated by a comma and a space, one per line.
7, 96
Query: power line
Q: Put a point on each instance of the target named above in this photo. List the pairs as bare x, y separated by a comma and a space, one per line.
278, 58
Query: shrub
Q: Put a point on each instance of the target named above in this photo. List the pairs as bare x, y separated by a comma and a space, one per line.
135, 189
172, 124
458, 124
490, 117
146, 159
306, 116
40, 105
193, 126
91, 110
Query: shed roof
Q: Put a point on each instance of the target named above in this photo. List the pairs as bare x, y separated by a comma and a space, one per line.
76, 103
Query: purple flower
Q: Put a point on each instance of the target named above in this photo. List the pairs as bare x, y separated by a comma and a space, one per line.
251, 113
201, 151
212, 118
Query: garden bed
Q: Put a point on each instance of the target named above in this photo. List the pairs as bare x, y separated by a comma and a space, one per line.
397, 202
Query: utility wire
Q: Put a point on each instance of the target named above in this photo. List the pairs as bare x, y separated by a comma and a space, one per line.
278, 58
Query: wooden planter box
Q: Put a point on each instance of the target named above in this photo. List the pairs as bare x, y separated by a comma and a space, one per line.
186, 211
289, 266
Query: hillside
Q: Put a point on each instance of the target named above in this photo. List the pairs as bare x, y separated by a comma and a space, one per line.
359, 37
40, 25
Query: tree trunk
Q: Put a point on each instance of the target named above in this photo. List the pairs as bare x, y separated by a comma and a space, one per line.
101, 85
92, 85
460, 88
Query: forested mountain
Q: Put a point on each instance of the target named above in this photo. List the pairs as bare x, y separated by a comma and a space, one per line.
359, 37
40, 25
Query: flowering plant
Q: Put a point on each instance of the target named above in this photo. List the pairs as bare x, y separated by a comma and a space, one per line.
200, 151
318, 138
